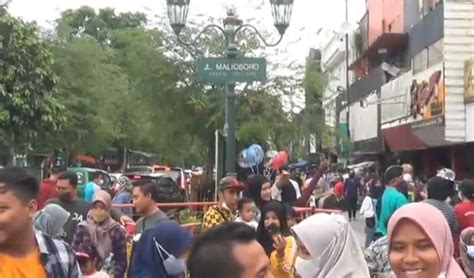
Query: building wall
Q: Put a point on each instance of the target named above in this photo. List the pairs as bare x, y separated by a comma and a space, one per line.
363, 120
458, 47
470, 122
385, 16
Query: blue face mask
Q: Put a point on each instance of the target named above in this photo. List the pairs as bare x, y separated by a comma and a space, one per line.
172, 265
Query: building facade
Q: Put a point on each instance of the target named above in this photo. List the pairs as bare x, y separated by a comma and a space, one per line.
413, 100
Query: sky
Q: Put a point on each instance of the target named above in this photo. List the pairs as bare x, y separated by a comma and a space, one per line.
308, 18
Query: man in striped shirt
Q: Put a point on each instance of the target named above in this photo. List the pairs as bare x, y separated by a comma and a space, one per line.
441, 189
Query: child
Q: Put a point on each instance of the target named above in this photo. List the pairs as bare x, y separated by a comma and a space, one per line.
88, 264
247, 209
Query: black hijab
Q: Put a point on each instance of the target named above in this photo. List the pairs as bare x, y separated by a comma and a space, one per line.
254, 189
263, 237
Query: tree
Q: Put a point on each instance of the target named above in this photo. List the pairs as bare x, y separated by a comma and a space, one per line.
92, 88
28, 98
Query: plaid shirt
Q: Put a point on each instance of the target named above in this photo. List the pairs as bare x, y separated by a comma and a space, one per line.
215, 216
57, 257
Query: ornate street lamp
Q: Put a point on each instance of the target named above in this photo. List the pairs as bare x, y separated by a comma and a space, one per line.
281, 13
177, 14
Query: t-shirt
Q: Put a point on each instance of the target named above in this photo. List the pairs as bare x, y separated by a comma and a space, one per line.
391, 201
465, 215
447, 211
89, 191
253, 223
47, 191
123, 198
351, 188
149, 221
78, 211
30, 266
289, 192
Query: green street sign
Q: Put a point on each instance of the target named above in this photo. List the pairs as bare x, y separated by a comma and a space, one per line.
226, 70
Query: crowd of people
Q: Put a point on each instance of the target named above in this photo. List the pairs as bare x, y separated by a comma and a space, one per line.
252, 231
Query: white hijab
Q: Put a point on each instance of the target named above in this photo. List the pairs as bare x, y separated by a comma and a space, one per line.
332, 244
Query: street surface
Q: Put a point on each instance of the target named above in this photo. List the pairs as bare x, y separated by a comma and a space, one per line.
358, 226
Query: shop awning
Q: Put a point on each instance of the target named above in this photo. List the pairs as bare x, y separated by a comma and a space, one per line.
401, 138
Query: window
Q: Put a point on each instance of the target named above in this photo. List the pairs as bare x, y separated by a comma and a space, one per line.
420, 61
435, 53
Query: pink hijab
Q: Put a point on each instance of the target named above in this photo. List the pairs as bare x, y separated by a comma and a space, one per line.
434, 224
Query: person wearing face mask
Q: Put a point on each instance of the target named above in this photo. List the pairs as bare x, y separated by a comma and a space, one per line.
160, 251
226, 207
420, 243
466, 247
327, 248
50, 220
101, 232
77, 208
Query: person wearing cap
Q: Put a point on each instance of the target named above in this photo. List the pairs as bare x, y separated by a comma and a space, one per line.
391, 199
228, 198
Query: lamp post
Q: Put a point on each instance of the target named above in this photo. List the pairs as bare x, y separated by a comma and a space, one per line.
232, 25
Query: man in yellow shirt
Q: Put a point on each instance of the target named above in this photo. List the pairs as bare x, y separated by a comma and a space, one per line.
25, 253
226, 207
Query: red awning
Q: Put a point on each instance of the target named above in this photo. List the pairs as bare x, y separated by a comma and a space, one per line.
401, 138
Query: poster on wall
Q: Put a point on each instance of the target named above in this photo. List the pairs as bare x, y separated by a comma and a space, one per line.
427, 93
469, 81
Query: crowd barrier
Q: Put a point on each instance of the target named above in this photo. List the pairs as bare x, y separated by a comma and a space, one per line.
301, 212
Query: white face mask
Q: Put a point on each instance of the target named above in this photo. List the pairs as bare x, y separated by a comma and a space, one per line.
307, 268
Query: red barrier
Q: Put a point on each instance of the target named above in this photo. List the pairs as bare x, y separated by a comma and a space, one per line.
172, 205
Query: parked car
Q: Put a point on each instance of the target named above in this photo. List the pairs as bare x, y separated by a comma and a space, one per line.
168, 189
85, 175
139, 169
176, 173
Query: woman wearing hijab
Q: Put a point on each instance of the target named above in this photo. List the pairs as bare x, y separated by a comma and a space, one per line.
259, 190
420, 243
50, 220
328, 248
275, 237
103, 233
158, 252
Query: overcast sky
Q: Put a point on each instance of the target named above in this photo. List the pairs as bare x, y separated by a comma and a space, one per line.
308, 17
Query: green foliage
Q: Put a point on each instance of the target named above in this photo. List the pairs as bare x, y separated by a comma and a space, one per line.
125, 85
28, 103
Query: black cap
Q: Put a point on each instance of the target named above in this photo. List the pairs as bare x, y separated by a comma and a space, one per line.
392, 172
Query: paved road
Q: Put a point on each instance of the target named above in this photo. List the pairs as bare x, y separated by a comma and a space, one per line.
358, 226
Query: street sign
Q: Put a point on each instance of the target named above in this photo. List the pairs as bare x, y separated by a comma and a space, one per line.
226, 70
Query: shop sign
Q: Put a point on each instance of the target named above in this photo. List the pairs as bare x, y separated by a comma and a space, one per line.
435, 121
427, 94
469, 81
